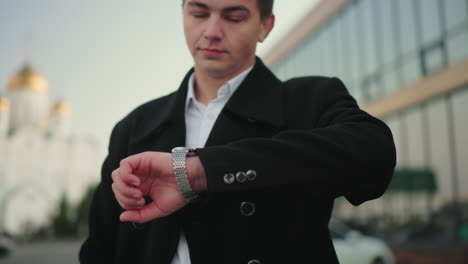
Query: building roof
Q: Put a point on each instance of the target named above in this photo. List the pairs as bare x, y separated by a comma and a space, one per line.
28, 79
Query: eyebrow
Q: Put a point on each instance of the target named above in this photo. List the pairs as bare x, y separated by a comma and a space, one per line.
224, 10
236, 8
197, 4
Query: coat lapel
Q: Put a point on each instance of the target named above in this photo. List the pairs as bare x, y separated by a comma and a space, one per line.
256, 106
255, 109
160, 128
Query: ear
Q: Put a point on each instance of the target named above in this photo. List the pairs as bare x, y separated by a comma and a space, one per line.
267, 25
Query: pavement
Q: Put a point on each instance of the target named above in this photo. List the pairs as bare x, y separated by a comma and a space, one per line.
50, 252
66, 251
431, 254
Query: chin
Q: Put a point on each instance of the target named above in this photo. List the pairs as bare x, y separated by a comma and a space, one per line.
214, 68
216, 72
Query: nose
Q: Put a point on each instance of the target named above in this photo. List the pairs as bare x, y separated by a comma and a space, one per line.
213, 30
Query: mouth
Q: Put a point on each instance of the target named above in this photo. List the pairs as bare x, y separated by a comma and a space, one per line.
209, 52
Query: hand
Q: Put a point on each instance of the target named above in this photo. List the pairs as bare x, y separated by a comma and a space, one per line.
152, 174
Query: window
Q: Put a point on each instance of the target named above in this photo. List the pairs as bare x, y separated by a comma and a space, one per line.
457, 47
391, 81
315, 60
292, 64
388, 30
353, 42
361, 46
342, 48
333, 47
367, 12
430, 21
433, 58
415, 138
323, 43
455, 13
302, 60
411, 70
439, 137
460, 108
407, 26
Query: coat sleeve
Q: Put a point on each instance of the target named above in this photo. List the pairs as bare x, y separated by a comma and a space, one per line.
104, 213
347, 152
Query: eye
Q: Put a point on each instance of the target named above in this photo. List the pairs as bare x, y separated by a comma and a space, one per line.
234, 19
199, 14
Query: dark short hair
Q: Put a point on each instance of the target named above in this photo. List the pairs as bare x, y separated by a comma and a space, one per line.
265, 7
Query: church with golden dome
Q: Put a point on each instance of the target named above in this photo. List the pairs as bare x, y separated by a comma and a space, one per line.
26, 106
41, 160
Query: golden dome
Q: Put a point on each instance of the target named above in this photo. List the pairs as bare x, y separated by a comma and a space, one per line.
27, 79
4, 103
61, 108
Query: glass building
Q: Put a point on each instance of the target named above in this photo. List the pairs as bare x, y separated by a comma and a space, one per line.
406, 62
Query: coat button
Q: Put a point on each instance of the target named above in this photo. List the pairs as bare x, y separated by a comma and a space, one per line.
251, 175
241, 177
229, 178
247, 208
254, 261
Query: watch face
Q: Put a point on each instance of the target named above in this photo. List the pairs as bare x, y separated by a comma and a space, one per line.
179, 149
184, 149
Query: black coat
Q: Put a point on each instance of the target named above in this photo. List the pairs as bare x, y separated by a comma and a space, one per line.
307, 141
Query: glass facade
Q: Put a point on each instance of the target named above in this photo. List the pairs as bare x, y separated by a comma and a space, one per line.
377, 47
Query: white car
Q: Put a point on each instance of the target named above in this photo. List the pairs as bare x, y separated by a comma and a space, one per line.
354, 248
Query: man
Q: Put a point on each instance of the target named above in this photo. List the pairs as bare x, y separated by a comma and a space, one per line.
270, 157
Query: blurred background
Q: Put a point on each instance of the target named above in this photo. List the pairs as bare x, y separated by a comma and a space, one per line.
71, 69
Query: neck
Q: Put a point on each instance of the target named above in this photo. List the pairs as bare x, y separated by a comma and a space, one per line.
206, 86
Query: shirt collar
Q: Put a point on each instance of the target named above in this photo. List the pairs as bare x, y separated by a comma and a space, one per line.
226, 89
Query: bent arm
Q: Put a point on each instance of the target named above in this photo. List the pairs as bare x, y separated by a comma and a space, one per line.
347, 152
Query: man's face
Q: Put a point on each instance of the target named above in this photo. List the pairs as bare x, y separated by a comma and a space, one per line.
222, 34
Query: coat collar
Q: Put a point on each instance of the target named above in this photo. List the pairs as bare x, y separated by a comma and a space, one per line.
258, 99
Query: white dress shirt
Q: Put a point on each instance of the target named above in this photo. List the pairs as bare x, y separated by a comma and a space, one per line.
199, 120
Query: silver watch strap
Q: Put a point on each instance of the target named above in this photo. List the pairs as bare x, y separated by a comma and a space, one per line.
179, 155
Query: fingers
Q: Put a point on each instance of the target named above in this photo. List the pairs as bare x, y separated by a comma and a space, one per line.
127, 195
144, 174
128, 202
125, 171
138, 164
144, 214
126, 184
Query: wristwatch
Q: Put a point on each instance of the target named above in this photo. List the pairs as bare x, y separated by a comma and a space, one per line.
179, 154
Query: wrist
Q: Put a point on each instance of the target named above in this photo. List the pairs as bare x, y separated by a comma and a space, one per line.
179, 162
196, 174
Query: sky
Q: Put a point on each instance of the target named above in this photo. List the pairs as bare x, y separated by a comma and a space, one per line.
106, 57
